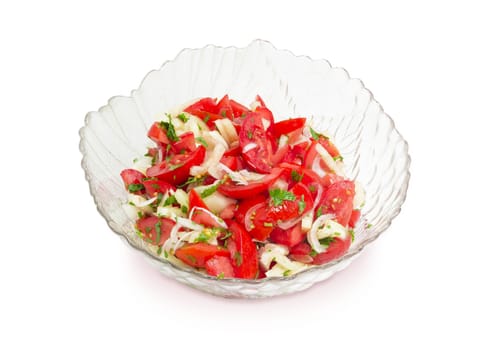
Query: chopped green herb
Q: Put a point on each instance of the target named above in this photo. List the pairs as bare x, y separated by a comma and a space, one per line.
182, 117
268, 224
166, 254
249, 134
148, 229
139, 233
238, 258
169, 128
202, 141
339, 157
313, 253
220, 276
312, 188
301, 204
368, 225
286, 273
210, 190
315, 135
327, 240
278, 196
226, 235
170, 200
296, 176
135, 188
131, 203
202, 237
351, 232
191, 258
206, 118
135, 160
174, 166
192, 180
319, 211
155, 186
184, 209
157, 227
159, 250
223, 113
140, 214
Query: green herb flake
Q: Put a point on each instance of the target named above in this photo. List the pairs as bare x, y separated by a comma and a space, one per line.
174, 166
223, 113
191, 258
301, 204
202, 238
166, 254
157, 227
315, 135
135, 160
278, 196
131, 203
327, 240
207, 118
184, 209
249, 134
170, 129
210, 190
268, 224
170, 201
313, 253
351, 232
135, 188
183, 117
368, 225
238, 258
286, 273
312, 188
319, 211
192, 180
296, 176
226, 235
339, 157
155, 186
220, 276
148, 229
202, 141
140, 214
159, 250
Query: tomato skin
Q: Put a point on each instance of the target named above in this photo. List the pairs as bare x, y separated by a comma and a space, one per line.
329, 146
290, 209
178, 175
234, 151
231, 162
204, 218
302, 248
197, 254
260, 218
132, 177
228, 212
206, 104
287, 126
185, 144
335, 250
260, 100
253, 188
290, 237
149, 225
243, 252
245, 205
153, 187
337, 199
296, 154
238, 109
219, 266
355, 215
158, 134
224, 107
194, 200
252, 132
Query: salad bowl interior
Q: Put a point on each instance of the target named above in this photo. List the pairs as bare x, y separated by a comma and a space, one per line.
375, 154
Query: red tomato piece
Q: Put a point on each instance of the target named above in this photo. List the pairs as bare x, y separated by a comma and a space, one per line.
253, 188
336, 249
197, 254
153, 187
185, 144
205, 218
206, 104
133, 177
234, 163
194, 200
296, 154
155, 230
208, 117
291, 209
355, 215
329, 146
256, 145
302, 248
243, 252
234, 151
177, 169
261, 223
287, 126
245, 205
224, 108
260, 100
219, 266
238, 109
228, 212
337, 199
290, 237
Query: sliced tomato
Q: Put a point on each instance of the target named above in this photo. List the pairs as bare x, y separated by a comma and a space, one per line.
197, 254
287, 126
206, 104
207, 117
158, 134
253, 188
296, 154
310, 155
155, 230
243, 252
234, 163
205, 218
194, 200
219, 266
177, 169
245, 205
337, 199
185, 144
133, 177
153, 187
279, 155
355, 215
256, 145
238, 109
301, 252
228, 212
261, 224
260, 100
336, 249
329, 146
290, 237
224, 108
234, 151
291, 209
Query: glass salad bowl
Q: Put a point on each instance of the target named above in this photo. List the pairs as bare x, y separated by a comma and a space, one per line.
374, 152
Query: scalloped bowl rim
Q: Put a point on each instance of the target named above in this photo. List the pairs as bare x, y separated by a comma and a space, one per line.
266, 280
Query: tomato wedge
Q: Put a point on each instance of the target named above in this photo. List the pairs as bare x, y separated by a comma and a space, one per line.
194, 200
158, 134
253, 188
219, 266
153, 187
177, 169
186, 143
260, 221
205, 218
243, 252
336, 249
290, 237
155, 230
355, 215
197, 254
256, 144
337, 199
133, 177
287, 126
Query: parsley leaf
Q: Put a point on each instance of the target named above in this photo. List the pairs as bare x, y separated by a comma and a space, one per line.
278, 196
296, 176
191, 180
301, 204
220, 276
182, 117
351, 232
202, 237
170, 129
327, 240
210, 190
170, 201
238, 258
135, 187
206, 118
339, 157
249, 134
315, 135
174, 166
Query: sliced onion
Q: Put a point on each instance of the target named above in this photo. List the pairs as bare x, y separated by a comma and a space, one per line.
312, 236
285, 225
317, 168
248, 147
319, 196
328, 159
173, 237
187, 223
300, 139
219, 139
145, 203
248, 216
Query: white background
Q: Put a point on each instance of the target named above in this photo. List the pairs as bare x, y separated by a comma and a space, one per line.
68, 282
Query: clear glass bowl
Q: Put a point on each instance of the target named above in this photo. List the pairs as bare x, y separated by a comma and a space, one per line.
374, 152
